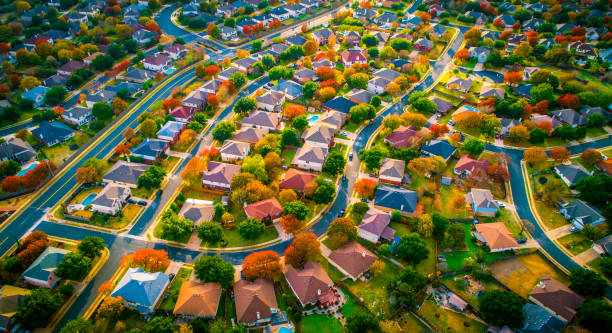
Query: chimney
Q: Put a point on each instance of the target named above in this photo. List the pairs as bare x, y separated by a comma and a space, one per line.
258, 315
363, 254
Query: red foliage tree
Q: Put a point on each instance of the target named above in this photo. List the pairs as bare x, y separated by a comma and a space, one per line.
438, 130
263, 264
569, 101
546, 126
211, 70
4, 47
274, 24
505, 35
152, 26
247, 30
425, 17
578, 31
498, 172
560, 154
11, 184
171, 103
513, 78
462, 55
324, 73
304, 248
541, 107
212, 100
290, 224
365, 187
148, 259
35, 176
4, 90
498, 23
330, 83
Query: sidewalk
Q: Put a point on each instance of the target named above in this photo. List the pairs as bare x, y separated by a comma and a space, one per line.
559, 232
585, 257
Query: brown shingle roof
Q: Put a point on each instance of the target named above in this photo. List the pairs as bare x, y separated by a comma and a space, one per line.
264, 208
197, 299
496, 235
353, 258
253, 298
220, 172
308, 283
297, 179
557, 297
466, 163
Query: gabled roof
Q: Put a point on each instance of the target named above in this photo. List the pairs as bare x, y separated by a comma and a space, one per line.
237, 148
557, 297
482, 198
17, 149
489, 91
582, 210
150, 147
10, 299
198, 299
264, 208
220, 172
496, 235
140, 287
323, 33
34, 92
392, 168
377, 222
442, 105
402, 137
290, 88
295, 40
71, 66
304, 73
138, 74
396, 198
109, 195
125, 172
467, 163
540, 320
353, 56
353, 258
319, 134
308, 283
254, 300
157, 59
196, 212
250, 134
572, 172
341, 104
51, 131
570, 116
360, 95
171, 128
296, 179
388, 74
311, 154
439, 148
262, 118
271, 97
182, 112
332, 118
45, 264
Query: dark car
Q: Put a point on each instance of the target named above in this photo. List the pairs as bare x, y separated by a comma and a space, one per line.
341, 213
159, 193
364, 199
351, 156
521, 240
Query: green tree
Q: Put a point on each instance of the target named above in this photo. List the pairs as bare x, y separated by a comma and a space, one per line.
289, 138
102, 111
502, 308
74, 266
214, 269
210, 231
362, 321
590, 189
361, 112
239, 79
596, 120
256, 166
79, 325
309, 89
152, 177
543, 91
175, 227
440, 224
595, 315
55, 95
425, 105
37, 308
91, 246
102, 63
588, 283
606, 266
9, 168
411, 248
251, 228
325, 191
537, 135
473, 146
224, 130
359, 80
335, 163
245, 105
161, 325
300, 122
405, 289
456, 236
297, 209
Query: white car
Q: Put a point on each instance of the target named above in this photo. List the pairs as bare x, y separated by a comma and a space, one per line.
501, 204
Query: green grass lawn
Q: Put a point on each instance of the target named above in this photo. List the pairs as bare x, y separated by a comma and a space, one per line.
576, 242
287, 156
455, 259
235, 240
428, 265
410, 323
351, 304
447, 194
458, 285
351, 127
141, 192
509, 221
373, 293
448, 321
169, 163
585, 165
333, 273
593, 132
175, 288
117, 222
58, 153
549, 215
595, 264
320, 323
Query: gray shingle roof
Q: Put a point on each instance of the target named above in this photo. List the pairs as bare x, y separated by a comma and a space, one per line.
396, 198
125, 172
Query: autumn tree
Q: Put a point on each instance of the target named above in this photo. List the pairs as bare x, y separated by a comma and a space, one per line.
111, 307
365, 187
425, 225
340, 231
262, 264
513, 78
106, 287
148, 259
37, 175
519, 133
11, 184
86, 175
569, 101
535, 155
560, 154
290, 224
304, 248
591, 156
310, 47
472, 36
287, 195
420, 166
462, 55
293, 111
459, 202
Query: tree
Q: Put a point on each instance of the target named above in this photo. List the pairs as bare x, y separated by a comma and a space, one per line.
86, 175
304, 248
34, 177
459, 202
102, 63
300, 122
214, 269
361, 112
255, 165
425, 226
424, 105
309, 89
310, 47
560, 154
590, 189
224, 130
365, 187
326, 190
462, 55
513, 78
152, 177
102, 111
290, 224
473, 146
91, 246
543, 91
537, 135
174, 227
111, 307
440, 224
411, 248
359, 80
362, 321
287, 195
11, 184
148, 259
74, 266
569, 101
472, 36
420, 166
245, 105
262, 264
37, 308
251, 228
79, 325
405, 289
335, 163
239, 79
297, 209
55, 95
519, 133
29, 82
596, 120
595, 315
377, 267
588, 283
9, 168
591, 156
534, 155
502, 308
340, 231
161, 324
606, 266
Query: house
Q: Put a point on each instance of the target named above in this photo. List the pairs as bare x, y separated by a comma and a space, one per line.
319, 136
351, 38
584, 50
250, 134
489, 91
304, 75
228, 33
150, 150
125, 173
176, 51
101, 96
378, 85
36, 95
245, 64
226, 10
255, 301
296, 180
516, 40
310, 5
467, 165
606, 55
271, 100
183, 114
140, 290
580, 213
411, 22
507, 20
438, 30
570, 173
506, 125
351, 57
292, 90
191, 10
603, 246
198, 300
482, 201
132, 88
391, 171
197, 211
403, 137
234, 150
523, 90
556, 297
359, 96
280, 14
78, 115
143, 36
322, 36
532, 24
263, 120
10, 300
569, 117
268, 210
137, 75
323, 63
352, 259
311, 284
587, 111
31, 42
374, 226
605, 166
55, 80
196, 99
388, 74
227, 73
442, 105
440, 148
392, 198
42, 271
528, 71
219, 175
333, 119
423, 45
295, 10
310, 157
385, 20
17, 150
479, 18
458, 84
497, 237
157, 62
479, 53
111, 199
295, 40
541, 118
367, 14
539, 319
171, 131
52, 133
68, 68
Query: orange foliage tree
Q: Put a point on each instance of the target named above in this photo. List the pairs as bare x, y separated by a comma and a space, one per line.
171, 103
513, 78
462, 55
150, 260
294, 111
365, 187
459, 202
193, 170
11, 184
324, 73
438, 130
263, 264
546, 126
304, 248
106, 287
569, 101
36, 176
541, 107
591, 156
534, 155
290, 223
560, 154
212, 70
212, 100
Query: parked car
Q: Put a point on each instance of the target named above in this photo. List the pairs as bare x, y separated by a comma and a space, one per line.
501, 204
343, 177
341, 213
350, 156
521, 240
441, 257
364, 200
573, 228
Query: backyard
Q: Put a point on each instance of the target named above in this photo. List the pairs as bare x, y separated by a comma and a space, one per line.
129, 212
444, 320
175, 288
374, 292
467, 288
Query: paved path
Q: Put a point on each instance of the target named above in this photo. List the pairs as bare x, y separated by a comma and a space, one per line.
559, 232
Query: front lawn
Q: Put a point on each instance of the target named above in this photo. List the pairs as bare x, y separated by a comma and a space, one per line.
576, 242
129, 211
444, 320
58, 153
549, 215
175, 288
351, 127
141, 192
454, 259
593, 132
169, 163
234, 239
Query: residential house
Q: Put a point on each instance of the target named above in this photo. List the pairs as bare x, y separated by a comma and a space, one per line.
226, 10
606, 55
605, 166
366, 14
584, 50
479, 53
191, 10
442, 105
255, 301
516, 40
30, 43
52, 133
68, 68
141, 290
538, 319
467, 165
183, 114
536, 7
488, 90
388, 74
378, 85
523, 90
228, 33
78, 115
587, 111
250, 134
479, 18
103, 96
196, 99
352, 259
295, 10
340, 104
234, 150
571, 173
176, 51
411, 22
310, 5
392, 171
197, 211
319, 136
17, 150
10, 300
157, 62
280, 14
198, 300
263, 120
435, 10
322, 36
403, 137
360, 96
438, 30
125, 173
532, 24
423, 45
507, 20
219, 175
143, 36
55, 80
227, 73
323, 63
42, 271
311, 284
482, 201
137, 75
392, 198
351, 57
603, 246
77, 17
440, 148
296, 180
310, 157
111, 199
245, 64
580, 213
352, 38
292, 90
295, 40
132, 88
268, 210
456, 302
569, 117
150, 150
528, 71
171, 131
496, 236
385, 20
374, 226
36, 95
556, 297
458, 84
304, 75
333, 119
506, 125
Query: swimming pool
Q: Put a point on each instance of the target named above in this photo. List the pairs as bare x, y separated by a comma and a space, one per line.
169, 71
312, 119
284, 330
28, 168
471, 108
88, 199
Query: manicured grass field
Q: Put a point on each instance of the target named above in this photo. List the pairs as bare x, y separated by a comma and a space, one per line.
320, 323
175, 288
595, 132
287, 156
576, 242
235, 240
115, 222
374, 292
448, 321
549, 215
455, 259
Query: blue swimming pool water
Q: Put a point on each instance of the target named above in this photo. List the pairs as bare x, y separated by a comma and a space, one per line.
88, 199
285, 330
24, 171
471, 108
169, 71
312, 119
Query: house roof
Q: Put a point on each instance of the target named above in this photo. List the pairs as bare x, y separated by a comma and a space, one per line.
131, 87
264, 208
396, 198
304, 73
237, 148
377, 222
467, 163
388, 74
296, 179
250, 134
198, 299
386, 17
35, 92
143, 34
182, 112
462, 84
319, 134
140, 287
109, 195
254, 300
605, 166
157, 59
197, 212
482, 198
582, 210
570, 116
262, 118
339, 103
150, 147
295, 40
442, 105
496, 235
353, 258
245, 62
308, 283
10, 299
439, 148
353, 56
540, 320
323, 33
572, 172
228, 72
105, 96
271, 97
392, 168
557, 297
51, 131
125, 172
360, 95
332, 118
403, 137
171, 129
489, 91
311, 154
196, 97
71, 66
220, 172
290, 88
16, 148
55, 80
137, 74
45, 264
